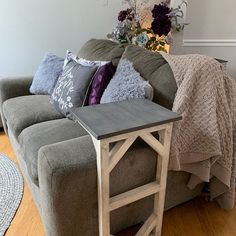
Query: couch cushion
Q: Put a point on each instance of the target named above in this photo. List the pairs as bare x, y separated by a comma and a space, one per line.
34, 137
153, 67
22, 112
102, 50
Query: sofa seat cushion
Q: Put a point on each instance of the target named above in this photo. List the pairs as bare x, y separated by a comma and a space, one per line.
22, 112
36, 136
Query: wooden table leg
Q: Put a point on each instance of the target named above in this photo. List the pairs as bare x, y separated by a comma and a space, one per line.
107, 160
102, 150
161, 175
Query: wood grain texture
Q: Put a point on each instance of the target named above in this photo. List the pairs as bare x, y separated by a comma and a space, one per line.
134, 195
102, 150
119, 153
148, 226
195, 218
162, 172
122, 117
107, 160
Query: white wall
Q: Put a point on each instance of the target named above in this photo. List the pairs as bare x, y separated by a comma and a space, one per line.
177, 46
212, 30
31, 28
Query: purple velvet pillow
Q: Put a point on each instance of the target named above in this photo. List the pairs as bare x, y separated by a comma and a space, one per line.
100, 81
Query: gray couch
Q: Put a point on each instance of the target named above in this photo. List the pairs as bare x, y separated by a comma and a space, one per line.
58, 160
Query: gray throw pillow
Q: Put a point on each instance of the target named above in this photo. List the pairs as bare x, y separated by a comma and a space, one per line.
127, 84
72, 86
47, 74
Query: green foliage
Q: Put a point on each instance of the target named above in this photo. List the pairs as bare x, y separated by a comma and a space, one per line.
154, 43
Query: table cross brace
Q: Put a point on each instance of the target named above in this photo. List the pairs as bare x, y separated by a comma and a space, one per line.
108, 159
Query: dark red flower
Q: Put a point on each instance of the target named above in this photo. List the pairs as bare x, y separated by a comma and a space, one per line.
128, 14
122, 16
161, 25
160, 10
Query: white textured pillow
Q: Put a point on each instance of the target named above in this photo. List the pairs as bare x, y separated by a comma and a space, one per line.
70, 56
127, 84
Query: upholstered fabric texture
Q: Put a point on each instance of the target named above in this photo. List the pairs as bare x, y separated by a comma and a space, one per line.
127, 84
47, 74
153, 68
78, 201
10, 88
36, 136
71, 88
22, 112
102, 50
100, 81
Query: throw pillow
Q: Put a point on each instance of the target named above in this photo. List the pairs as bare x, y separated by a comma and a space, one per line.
70, 56
127, 84
100, 81
71, 88
47, 74
154, 68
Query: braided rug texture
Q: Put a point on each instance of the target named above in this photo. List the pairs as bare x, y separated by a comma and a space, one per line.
11, 192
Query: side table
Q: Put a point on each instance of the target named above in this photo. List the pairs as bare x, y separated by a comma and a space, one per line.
122, 123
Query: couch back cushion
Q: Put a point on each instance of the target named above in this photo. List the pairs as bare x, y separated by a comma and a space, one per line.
25, 111
102, 50
153, 67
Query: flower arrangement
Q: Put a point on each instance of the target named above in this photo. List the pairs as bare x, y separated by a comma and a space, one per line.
165, 20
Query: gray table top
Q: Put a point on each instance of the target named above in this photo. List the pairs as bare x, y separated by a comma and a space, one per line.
107, 120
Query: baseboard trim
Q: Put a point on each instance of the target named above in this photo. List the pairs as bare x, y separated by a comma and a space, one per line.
209, 43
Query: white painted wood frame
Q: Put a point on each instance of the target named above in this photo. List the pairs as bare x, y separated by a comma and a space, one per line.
108, 159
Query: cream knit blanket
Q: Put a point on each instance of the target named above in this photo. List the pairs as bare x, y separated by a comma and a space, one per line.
204, 141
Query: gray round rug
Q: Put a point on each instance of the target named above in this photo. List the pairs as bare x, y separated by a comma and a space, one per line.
11, 192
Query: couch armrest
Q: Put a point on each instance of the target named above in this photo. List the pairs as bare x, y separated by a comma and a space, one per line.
13, 87
63, 168
68, 187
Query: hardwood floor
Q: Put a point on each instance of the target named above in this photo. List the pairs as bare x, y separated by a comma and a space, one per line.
195, 218
26, 221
